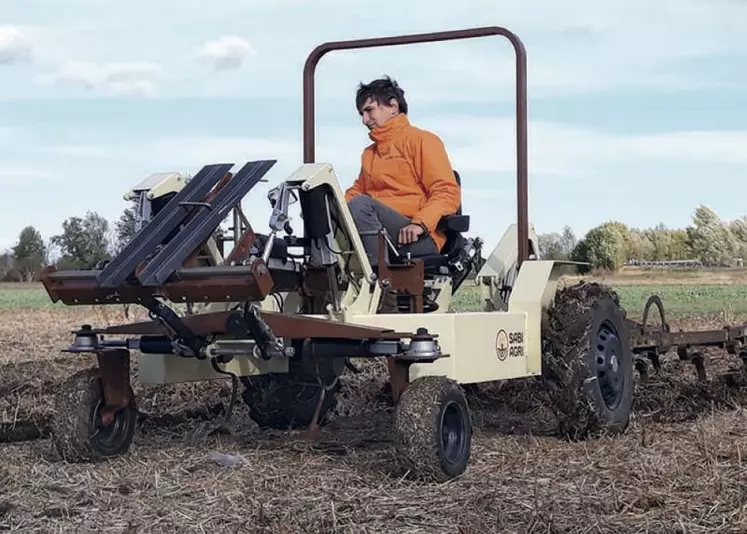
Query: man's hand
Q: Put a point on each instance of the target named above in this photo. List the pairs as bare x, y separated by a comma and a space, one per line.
410, 233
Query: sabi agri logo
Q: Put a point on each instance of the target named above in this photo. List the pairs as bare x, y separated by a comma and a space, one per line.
501, 345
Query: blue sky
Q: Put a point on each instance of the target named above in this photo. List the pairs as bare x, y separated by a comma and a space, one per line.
637, 108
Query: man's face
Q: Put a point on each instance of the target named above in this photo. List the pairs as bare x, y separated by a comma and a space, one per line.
374, 114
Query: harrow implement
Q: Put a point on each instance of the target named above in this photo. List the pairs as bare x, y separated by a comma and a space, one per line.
650, 342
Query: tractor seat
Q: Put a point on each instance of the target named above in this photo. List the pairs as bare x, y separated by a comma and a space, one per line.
453, 226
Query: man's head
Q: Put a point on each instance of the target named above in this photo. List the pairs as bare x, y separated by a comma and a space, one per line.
379, 101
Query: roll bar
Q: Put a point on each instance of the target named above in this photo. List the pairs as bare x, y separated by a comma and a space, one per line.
521, 103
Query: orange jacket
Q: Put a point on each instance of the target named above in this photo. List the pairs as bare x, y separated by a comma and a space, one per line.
407, 169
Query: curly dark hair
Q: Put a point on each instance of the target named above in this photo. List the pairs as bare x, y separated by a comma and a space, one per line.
382, 91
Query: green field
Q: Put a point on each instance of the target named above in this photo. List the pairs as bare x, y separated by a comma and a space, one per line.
683, 299
25, 296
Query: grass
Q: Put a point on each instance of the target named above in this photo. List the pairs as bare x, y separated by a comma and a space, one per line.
687, 299
24, 296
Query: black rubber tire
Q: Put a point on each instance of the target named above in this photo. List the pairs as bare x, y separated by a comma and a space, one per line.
287, 401
429, 407
75, 430
590, 365
284, 402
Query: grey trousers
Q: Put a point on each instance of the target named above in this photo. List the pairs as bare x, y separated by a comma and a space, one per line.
371, 215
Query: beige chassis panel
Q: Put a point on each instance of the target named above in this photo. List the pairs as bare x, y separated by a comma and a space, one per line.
476, 352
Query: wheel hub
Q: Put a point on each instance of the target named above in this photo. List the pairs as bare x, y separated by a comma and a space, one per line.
607, 351
453, 433
110, 429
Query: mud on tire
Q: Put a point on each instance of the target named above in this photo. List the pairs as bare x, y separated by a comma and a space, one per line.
76, 431
433, 429
588, 362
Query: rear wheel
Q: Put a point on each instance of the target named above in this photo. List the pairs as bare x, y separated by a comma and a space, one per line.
589, 362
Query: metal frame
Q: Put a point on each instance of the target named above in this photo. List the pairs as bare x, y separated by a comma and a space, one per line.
199, 227
522, 187
116, 272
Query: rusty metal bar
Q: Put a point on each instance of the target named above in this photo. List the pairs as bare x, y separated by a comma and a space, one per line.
522, 189
194, 284
114, 372
695, 338
282, 325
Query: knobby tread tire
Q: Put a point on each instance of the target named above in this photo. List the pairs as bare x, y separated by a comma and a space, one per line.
574, 391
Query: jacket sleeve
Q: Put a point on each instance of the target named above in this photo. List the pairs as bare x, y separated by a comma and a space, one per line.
443, 195
359, 185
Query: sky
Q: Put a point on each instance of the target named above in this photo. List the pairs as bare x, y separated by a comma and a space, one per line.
637, 110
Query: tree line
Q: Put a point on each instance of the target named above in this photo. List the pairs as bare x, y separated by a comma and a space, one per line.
612, 244
85, 241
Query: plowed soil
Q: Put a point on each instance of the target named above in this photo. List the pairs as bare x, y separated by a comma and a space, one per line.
679, 468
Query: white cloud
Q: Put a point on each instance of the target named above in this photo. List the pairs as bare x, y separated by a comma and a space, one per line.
576, 47
133, 78
15, 47
227, 52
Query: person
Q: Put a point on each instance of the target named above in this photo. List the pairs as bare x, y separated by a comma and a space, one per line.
406, 182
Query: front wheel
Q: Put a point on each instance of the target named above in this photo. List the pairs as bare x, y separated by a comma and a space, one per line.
78, 433
433, 428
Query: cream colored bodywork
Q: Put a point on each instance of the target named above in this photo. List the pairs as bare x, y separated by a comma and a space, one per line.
501, 342
158, 184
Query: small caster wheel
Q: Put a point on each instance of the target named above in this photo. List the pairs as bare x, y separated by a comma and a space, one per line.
78, 433
433, 428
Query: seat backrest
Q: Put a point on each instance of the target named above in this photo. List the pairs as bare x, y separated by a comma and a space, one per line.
459, 183
453, 237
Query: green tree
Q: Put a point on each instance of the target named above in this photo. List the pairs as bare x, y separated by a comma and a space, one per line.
550, 246
125, 227
7, 264
710, 239
738, 229
641, 247
557, 246
605, 246
84, 241
30, 254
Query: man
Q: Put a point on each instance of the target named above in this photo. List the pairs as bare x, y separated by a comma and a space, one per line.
406, 183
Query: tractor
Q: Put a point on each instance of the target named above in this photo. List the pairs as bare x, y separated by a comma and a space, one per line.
283, 313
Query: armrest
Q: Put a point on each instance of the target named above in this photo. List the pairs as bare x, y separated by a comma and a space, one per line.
453, 223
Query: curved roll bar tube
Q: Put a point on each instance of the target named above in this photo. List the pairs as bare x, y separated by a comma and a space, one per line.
521, 104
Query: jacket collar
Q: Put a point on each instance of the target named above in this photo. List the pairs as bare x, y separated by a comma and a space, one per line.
390, 130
